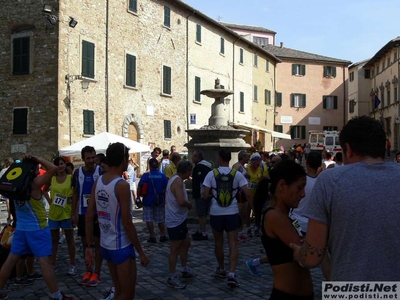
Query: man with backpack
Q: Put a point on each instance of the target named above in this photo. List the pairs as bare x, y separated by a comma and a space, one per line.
223, 184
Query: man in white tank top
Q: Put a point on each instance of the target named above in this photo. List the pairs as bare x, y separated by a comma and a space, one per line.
176, 211
112, 198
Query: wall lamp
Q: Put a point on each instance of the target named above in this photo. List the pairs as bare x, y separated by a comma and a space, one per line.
71, 78
47, 9
72, 22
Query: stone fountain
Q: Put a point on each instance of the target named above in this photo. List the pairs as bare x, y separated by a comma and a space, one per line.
217, 134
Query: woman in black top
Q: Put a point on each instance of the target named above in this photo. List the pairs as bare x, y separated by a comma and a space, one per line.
291, 281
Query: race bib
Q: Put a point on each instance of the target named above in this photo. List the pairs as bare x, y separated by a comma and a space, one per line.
252, 185
86, 198
296, 225
60, 200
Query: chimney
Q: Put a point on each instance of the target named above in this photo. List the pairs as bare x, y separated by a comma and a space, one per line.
281, 44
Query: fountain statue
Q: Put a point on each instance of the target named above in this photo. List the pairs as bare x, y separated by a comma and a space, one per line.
217, 134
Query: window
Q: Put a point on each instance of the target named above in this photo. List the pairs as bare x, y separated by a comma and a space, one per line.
352, 104
267, 96
255, 93
267, 66
192, 118
260, 40
395, 95
377, 70
167, 129
198, 33
130, 70
222, 46
278, 128
255, 59
21, 55
351, 76
388, 97
330, 102
87, 59
298, 69
330, 128
382, 98
298, 132
88, 122
197, 89
278, 98
133, 5
388, 126
395, 55
298, 100
166, 89
373, 73
383, 65
367, 73
20, 121
167, 16
241, 102
388, 61
329, 71
241, 55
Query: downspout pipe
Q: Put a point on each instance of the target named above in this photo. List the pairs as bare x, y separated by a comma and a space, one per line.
106, 66
187, 72
233, 81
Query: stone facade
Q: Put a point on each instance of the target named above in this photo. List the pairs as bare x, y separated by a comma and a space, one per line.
359, 98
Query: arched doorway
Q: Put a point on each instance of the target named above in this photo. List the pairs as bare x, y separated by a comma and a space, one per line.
132, 129
133, 135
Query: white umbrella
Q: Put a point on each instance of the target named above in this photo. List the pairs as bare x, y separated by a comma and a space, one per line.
100, 143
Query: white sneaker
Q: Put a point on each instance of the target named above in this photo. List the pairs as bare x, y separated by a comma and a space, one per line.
72, 270
110, 296
62, 239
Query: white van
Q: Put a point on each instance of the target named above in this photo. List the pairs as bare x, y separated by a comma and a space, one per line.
320, 140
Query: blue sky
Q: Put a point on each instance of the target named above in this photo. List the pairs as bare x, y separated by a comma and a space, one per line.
352, 30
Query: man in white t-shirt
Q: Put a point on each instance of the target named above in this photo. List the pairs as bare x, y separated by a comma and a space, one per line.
225, 217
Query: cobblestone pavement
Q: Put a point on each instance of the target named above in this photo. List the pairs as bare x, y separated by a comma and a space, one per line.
151, 283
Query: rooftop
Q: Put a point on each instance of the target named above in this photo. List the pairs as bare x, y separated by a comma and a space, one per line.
248, 27
383, 51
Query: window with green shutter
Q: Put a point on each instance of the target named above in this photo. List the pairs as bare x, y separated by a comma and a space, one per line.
198, 33
329, 102
241, 55
267, 96
133, 5
297, 100
222, 46
241, 102
167, 16
255, 59
167, 129
330, 128
166, 80
278, 99
20, 121
130, 70
298, 69
197, 89
21, 55
255, 93
267, 66
298, 132
279, 128
88, 122
329, 71
87, 59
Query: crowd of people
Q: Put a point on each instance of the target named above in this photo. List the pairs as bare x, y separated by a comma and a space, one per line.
337, 211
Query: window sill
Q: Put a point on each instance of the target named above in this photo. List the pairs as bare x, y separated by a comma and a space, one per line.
255, 101
222, 54
330, 76
166, 27
20, 134
166, 95
132, 12
241, 112
240, 63
87, 135
130, 87
168, 139
198, 43
298, 75
89, 79
197, 102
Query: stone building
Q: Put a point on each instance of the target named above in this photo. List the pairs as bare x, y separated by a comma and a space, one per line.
359, 98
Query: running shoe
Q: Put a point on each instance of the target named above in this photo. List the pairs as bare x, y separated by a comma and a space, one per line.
242, 238
253, 268
163, 239
34, 276
232, 282
23, 281
62, 239
188, 274
94, 280
72, 270
64, 297
175, 283
110, 296
219, 273
85, 278
199, 236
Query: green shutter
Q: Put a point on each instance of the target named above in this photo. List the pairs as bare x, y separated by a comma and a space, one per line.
198, 33
87, 59
303, 132
85, 122
334, 71
241, 56
279, 128
291, 100
166, 80
255, 59
91, 122
241, 101
130, 70
133, 5
20, 121
167, 16
294, 69
303, 70
197, 87
267, 65
167, 129
324, 102
335, 102
265, 97
325, 71
278, 99
304, 100
292, 131
255, 93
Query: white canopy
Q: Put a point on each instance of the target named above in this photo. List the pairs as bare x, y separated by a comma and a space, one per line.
100, 143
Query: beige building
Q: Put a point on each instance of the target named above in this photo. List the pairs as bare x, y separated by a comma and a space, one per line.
311, 93
359, 99
72, 70
383, 68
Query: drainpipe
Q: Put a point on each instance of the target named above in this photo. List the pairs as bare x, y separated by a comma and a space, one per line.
233, 82
344, 96
187, 72
106, 70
